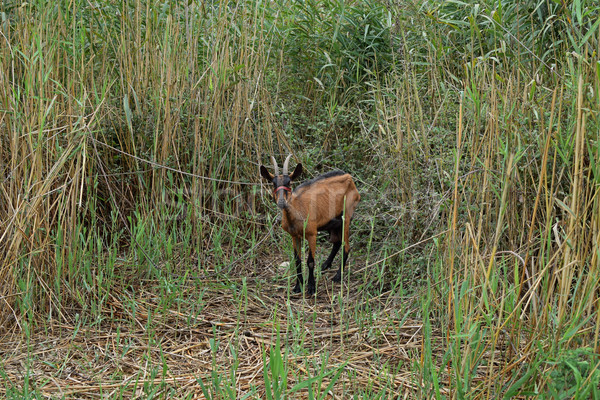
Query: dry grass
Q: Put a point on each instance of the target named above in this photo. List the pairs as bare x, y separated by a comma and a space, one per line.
125, 352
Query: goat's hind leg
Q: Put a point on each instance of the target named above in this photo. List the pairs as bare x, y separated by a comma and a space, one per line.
338, 275
335, 237
336, 247
346, 252
352, 199
312, 245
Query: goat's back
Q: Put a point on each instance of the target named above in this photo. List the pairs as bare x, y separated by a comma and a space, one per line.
322, 198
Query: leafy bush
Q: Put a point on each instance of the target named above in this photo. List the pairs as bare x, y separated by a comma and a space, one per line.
337, 44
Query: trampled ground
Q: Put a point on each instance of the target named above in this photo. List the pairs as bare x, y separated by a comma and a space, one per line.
218, 338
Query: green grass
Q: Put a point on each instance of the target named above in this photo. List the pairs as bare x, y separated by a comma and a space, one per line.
138, 251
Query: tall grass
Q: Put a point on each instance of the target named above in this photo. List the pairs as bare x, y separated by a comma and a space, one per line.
520, 267
98, 100
131, 134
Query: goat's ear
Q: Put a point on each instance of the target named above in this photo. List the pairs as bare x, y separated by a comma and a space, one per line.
297, 172
265, 173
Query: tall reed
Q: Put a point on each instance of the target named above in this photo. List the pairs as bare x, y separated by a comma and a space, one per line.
98, 100
472, 131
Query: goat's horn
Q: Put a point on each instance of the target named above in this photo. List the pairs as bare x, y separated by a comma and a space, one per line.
275, 166
285, 164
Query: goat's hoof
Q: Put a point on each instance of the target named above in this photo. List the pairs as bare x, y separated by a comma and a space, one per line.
325, 267
337, 277
297, 288
310, 290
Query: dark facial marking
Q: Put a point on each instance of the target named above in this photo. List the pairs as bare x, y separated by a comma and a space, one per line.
281, 180
279, 193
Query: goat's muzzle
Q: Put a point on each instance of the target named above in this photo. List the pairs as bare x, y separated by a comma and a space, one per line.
281, 203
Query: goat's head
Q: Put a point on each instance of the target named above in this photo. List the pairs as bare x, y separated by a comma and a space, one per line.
281, 182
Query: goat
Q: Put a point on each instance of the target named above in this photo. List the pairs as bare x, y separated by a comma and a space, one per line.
316, 205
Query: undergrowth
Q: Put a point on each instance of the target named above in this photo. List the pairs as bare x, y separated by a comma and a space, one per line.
140, 254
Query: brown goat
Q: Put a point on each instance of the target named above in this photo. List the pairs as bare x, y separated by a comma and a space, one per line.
317, 205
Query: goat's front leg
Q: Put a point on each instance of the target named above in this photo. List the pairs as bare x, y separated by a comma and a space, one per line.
298, 259
312, 245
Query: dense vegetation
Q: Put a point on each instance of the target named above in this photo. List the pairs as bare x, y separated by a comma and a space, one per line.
139, 248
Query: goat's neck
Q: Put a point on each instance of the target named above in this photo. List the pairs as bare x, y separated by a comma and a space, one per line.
291, 212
